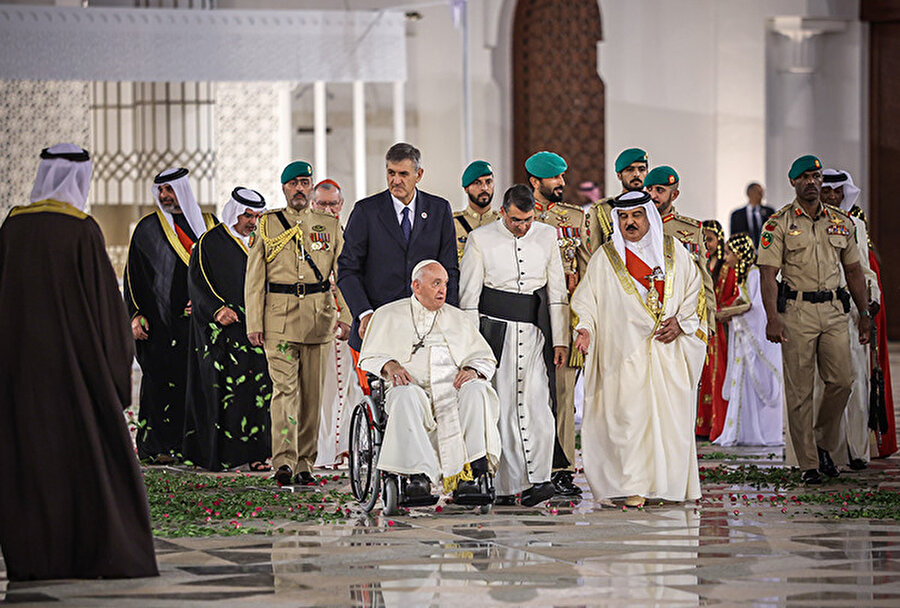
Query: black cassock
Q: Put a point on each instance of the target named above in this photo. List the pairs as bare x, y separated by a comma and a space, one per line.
72, 500
227, 412
155, 286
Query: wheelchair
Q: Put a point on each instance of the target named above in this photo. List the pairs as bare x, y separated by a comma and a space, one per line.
367, 483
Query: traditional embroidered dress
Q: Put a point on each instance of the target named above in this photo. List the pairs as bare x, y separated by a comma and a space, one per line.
641, 394
711, 406
433, 428
753, 384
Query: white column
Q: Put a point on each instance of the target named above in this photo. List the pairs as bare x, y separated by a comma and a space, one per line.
359, 138
399, 112
319, 128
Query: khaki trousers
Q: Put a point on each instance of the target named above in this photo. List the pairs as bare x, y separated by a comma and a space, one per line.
816, 336
565, 413
297, 372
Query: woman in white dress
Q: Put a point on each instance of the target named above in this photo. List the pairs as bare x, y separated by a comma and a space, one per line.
753, 380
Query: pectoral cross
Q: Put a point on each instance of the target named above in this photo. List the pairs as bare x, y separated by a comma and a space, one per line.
418, 345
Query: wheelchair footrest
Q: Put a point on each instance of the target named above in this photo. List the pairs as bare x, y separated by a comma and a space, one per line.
474, 500
420, 501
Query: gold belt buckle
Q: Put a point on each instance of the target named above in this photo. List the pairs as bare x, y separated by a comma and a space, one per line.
301, 290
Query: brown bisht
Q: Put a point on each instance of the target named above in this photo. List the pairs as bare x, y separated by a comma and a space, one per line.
228, 388
72, 500
155, 287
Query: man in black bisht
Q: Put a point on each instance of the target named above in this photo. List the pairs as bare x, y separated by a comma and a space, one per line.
72, 501
156, 295
227, 410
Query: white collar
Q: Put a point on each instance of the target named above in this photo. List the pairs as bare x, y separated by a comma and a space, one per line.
423, 318
399, 207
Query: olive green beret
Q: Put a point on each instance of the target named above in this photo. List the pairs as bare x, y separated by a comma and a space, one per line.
298, 168
662, 175
545, 164
805, 163
631, 155
476, 169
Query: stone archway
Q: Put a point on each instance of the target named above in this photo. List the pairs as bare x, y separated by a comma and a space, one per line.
558, 97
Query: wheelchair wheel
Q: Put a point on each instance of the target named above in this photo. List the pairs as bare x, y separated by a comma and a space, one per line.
364, 478
391, 495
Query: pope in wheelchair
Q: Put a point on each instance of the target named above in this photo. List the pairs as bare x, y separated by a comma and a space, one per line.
441, 410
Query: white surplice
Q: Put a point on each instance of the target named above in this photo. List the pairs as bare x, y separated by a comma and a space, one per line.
432, 428
753, 379
340, 394
637, 436
495, 258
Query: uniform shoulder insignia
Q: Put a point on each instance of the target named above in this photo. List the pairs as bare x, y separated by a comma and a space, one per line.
782, 210
458, 213
688, 220
569, 206
837, 211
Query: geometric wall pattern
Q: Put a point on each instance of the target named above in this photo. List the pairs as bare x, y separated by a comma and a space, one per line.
247, 122
35, 115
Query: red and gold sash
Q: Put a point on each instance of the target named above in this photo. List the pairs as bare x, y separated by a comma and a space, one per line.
640, 271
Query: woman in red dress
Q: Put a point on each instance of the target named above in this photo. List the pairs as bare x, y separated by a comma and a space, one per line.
711, 408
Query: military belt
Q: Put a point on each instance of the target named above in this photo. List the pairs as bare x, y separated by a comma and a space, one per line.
298, 289
816, 297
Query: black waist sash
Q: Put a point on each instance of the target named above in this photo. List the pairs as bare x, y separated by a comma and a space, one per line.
533, 308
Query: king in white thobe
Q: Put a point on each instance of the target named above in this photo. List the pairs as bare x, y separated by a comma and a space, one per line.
640, 394
495, 258
432, 428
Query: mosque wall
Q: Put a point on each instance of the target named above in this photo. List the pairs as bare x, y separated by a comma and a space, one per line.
63, 108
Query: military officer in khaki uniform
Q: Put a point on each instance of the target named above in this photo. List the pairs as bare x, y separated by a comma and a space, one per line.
291, 313
478, 182
631, 168
809, 242
662, 184
546, 176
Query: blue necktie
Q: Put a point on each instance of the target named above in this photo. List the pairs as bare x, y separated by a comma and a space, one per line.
405, 224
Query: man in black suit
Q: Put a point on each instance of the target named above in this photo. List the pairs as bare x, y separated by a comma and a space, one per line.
751, 217
388, 234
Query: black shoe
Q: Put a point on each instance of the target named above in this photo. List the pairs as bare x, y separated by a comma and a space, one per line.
418, 486
305, 478
812, 477
826, 464
857, 464
537, 494
563, 484
283, 475
507, 500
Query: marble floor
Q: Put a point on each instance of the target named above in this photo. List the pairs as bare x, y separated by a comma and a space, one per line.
738, 546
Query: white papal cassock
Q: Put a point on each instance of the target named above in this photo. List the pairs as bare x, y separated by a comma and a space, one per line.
432, 428
497, 259
637, 434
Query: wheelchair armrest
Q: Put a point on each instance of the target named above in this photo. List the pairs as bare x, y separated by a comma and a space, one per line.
376, 387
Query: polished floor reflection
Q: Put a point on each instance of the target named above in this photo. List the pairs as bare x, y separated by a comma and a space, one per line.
737, 546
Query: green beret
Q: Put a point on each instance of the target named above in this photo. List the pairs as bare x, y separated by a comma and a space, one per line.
662, 175
476, 169
545, 164
631, 155
805, 163
298, 168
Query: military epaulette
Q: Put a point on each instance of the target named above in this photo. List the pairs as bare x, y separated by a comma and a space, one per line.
570, 206
783, 209
458, 213
321, 212
687, 220
837, 211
